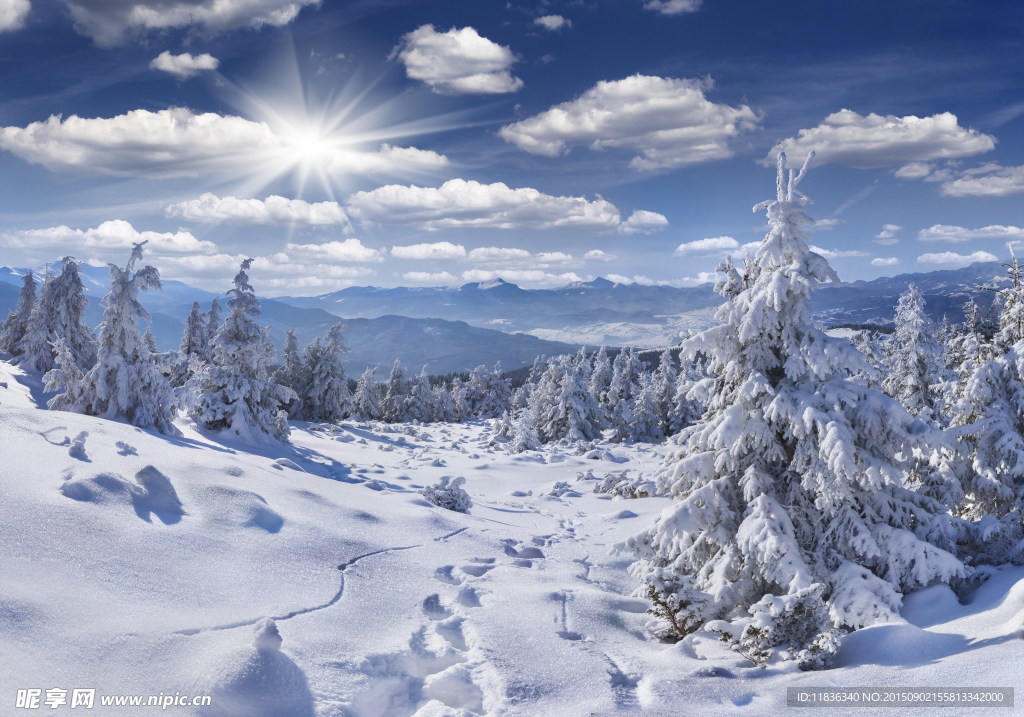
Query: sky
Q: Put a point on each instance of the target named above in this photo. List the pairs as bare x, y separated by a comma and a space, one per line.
429, 143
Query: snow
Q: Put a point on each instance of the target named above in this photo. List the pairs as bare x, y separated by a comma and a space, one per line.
314, 579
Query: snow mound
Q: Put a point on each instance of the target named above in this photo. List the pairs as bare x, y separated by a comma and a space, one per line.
897, 643
151, 494
235, 507
258, 681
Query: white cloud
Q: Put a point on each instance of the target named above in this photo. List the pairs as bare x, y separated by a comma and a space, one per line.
957, 235
114, 234
599, 255
712, 245
552, 22
441, 250
178, 143
426, 277
276, 274
824, 225
13, 14
885, 261
673, 7
994, 181
349, 250
113, 22
888, 231
950, 258
546, 258
838, 253
668, 122
643, 222
184, 66
498, 255
467, 204
458, 62
528, 277
270, 211
914, 170
871, 141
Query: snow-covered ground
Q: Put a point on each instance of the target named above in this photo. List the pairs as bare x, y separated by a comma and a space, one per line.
139, 564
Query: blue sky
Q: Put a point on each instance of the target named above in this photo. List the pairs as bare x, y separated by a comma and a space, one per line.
423, 143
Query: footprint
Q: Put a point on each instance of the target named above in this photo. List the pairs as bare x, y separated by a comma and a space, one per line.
433, 608
444, 574
468, 597
451, 630
123, 449
476, 570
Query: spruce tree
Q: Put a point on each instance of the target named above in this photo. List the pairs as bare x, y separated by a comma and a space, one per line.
913, 356
366, 400
326, 396
790, 484
14, 328
124, 383
396, 392
234, 393
59, 313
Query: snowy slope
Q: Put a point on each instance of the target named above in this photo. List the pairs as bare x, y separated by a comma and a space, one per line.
138, 564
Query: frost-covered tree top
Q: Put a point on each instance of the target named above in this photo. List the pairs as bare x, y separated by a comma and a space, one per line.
59, 313
789, 479
326, 396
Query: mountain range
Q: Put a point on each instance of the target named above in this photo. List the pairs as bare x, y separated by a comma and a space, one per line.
455, 329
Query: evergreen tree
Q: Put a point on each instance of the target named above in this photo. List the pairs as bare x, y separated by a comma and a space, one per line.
194, 337
59, 313
326, 396
665, 379
600, 378
396, 391
646, 408
444, 407
234, 393
419, 405
366, 400
793, 476
685, 410
14, 328
213, 321
1011, 315
867, 342
913, 355
124, 383
150, 340
293, 373
572, 416
524, 435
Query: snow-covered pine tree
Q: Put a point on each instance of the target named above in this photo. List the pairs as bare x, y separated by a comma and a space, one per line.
444, 407
1011, 315
212, 320
684, 410
13, 331
194, 337
648, 424
524, 435
396, 392
59, 313
571, 417
912, 357
665, 378
326, 397
419, 405
460, 400
601, 378
293, 373
234, 393
149, 339
868, 343
792, 477
366, 399
65, 376
124, 383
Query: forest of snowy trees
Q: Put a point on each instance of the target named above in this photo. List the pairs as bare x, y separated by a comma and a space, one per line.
816, 479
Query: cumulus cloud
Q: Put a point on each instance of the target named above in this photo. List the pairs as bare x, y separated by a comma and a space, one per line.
552, 22
441, 250
114, 22
273, 210
914, 170
113, 234
888, 231
599, 255
991, 180
871, 141
546, 258
467, 204
643, 222
179, 143
13, 14
498, 255
526, 277
951, 258
824, 225
185, 65
274, 274
668, 122
957, 235
885, 261
426, 277
838, 253
673, 7
458, 62
712, 245
350, 250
